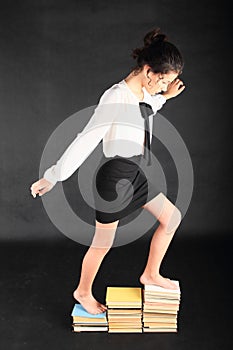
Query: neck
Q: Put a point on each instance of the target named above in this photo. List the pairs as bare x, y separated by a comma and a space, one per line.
135, 84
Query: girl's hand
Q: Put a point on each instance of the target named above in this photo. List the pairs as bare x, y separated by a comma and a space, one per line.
40, 187
174, 88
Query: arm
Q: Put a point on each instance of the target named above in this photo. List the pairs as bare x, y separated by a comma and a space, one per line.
158, 101
87, 140
174, 89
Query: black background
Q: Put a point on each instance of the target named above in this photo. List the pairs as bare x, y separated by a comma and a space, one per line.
57, 57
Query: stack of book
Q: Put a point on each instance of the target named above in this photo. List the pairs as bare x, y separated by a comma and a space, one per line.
160, 308
124, 309
85, 322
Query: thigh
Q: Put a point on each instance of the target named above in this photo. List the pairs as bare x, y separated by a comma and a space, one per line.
163, 209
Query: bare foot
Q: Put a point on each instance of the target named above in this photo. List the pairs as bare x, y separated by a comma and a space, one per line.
89, 303
158, 280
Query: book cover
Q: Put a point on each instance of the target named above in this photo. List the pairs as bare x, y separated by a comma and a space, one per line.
125, 295
79, 311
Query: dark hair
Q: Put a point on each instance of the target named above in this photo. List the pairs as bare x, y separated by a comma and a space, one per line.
161, 55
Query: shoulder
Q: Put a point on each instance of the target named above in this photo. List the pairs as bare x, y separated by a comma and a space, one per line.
112, 95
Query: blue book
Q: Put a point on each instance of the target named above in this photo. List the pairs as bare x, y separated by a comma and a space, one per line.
79, 311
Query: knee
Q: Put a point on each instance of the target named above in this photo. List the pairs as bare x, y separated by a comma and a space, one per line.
104, 235
173, 220
103, 241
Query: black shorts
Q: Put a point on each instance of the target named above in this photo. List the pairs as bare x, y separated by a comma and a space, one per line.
120, 188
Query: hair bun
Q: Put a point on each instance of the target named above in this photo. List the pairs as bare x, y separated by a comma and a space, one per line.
154, 36
137, 52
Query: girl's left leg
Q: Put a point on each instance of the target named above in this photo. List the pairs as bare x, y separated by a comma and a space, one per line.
169, 217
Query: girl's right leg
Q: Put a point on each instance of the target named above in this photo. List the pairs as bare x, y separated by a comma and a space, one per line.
101, 244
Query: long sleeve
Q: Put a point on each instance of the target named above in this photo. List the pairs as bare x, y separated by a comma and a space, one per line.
88, 139
158, 101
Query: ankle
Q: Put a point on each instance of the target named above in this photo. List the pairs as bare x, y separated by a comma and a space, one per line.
83, 292
151, 274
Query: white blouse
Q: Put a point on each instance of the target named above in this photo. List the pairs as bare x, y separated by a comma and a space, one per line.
117, 121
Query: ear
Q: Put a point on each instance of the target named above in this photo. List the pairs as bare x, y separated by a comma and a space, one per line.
147, 69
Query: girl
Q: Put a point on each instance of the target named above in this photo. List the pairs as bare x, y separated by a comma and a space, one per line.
151, 82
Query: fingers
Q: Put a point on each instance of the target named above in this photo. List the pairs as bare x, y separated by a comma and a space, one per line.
182, 87
43, 191
38, 188
178, 86
34, 189
178, 82
34, 192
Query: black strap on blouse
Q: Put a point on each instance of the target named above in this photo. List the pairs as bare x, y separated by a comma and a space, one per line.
146, 110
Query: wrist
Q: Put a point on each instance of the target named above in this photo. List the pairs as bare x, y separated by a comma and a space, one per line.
167, 96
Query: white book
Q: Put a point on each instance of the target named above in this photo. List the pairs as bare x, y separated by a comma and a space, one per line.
154, 288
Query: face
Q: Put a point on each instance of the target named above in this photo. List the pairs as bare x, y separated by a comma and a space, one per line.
159, 82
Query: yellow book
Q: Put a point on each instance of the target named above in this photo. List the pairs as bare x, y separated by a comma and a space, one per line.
124, 296
174, 312
152, 330
160, 325
125, 325
128, 312
116, 320
125, 330
84, 320
159, 319
159, 315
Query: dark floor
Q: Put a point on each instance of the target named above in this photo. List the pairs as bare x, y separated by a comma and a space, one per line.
38, 279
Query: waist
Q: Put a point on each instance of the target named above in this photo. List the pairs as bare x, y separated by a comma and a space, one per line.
135, 159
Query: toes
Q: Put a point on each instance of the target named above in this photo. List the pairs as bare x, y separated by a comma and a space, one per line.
102, 308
